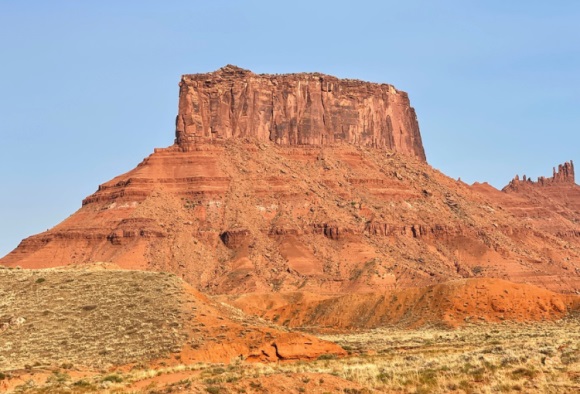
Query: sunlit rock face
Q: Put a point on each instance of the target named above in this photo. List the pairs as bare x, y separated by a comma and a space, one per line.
295, 109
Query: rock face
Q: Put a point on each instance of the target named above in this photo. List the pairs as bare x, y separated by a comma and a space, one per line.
295, 109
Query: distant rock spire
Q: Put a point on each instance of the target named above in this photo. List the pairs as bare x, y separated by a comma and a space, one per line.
563, 175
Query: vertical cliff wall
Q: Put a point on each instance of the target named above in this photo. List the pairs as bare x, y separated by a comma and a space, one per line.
295, 109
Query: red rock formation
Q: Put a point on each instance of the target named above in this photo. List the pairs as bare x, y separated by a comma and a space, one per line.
252, 214
295, 109
564, 175
550, 204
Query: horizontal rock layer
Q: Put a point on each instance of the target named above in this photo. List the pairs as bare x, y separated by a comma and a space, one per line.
249, 216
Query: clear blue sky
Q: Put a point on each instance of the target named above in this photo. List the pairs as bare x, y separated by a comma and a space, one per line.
88, 89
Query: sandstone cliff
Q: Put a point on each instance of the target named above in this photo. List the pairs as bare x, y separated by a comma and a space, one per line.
295, 109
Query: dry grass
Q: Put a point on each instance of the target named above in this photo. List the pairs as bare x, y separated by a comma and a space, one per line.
50, 346
541, 357
86, 318
538, 358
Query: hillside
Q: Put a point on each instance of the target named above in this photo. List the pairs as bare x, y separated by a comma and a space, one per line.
266, 218
101, 317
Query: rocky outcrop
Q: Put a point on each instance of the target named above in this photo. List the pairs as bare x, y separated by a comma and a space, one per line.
293, 347
235, 238
295, 109
544, 203
435, 231
242, 216
564, 175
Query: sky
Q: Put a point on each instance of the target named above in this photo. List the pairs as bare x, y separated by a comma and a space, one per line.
89, 89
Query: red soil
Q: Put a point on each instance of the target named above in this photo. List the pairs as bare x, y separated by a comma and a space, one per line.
219, 333
449, 304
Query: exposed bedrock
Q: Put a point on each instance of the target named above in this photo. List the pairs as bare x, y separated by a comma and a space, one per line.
295, 109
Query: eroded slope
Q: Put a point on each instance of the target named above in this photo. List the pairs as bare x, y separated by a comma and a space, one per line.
449, 304
252, 217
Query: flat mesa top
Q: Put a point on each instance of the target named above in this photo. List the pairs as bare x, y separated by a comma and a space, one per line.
234, 72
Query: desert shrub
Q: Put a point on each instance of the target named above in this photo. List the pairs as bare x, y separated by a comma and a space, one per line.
83, 384
428, 377
477, 374
423, 390
218, 371
508, 360
60, 377
465, 385
548, 351
256, 385
384, 377
504, 388
524, 373
569, 357
113, 378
